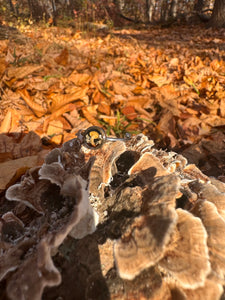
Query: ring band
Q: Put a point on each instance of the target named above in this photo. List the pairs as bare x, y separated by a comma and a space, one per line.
94, 137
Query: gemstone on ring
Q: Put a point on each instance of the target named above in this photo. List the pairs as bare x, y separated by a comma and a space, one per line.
94, 137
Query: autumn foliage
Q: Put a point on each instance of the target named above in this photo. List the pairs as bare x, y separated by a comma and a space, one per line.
166, 83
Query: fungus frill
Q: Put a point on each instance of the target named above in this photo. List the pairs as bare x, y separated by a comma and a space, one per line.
166, 231
53, 201
161, 223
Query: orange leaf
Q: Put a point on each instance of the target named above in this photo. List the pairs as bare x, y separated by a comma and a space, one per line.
141, 62
138, 102
15, 124
60, 100
6, 123
129, 112
80, 79
62, 58
89, 117
159, 80
37, 109
138, 90
66, 108
2, 66
66, 124
97, 97
21, 72
68, 136
55, 129
104, 108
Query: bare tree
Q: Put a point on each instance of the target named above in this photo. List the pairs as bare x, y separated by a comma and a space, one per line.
218, 14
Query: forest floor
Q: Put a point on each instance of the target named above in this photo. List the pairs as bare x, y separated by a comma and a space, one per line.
168, 83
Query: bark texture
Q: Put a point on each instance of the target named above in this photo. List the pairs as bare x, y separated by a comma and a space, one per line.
218, 15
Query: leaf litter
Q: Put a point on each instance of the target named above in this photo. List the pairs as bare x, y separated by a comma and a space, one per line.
165, 83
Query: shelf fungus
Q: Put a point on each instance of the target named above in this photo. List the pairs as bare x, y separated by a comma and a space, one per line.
50, 202
162, 218
167, 232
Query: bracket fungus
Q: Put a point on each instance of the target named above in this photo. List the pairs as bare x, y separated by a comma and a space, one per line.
186, 259
57, 199
162, 218
166, 234
145, 245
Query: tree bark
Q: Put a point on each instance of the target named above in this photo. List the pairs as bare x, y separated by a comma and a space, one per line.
173, 9
151, 7
218, 14
12, 8
199, 6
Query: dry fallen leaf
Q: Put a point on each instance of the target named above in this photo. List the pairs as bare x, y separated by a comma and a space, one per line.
62, 58
57, 82
55, 131
80, 79
36, 108
60, 100
6, 123
11, 170
21, 72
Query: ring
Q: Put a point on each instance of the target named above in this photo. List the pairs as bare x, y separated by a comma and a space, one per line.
94, 137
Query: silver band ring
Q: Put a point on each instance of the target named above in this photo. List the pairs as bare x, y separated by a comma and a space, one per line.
94, 137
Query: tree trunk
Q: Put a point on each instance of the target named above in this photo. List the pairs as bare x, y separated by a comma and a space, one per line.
151, 8
164, 11
199, 6
11, 6
218, 15
147, 10
36, 10
173, 9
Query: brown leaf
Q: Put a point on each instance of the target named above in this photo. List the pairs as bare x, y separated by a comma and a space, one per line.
159, 80
129, 112
97, 97
90, 118
139, 103
4, 46
62, 58
6, 123
76, 122
167, 125
36, 108
60, 100
38, 83
213, 121
222, 106
9, 169
139, 90
21, 72
104, 108
3, 65
123, 89
79, 79
57, 114
55, 129
168, 98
